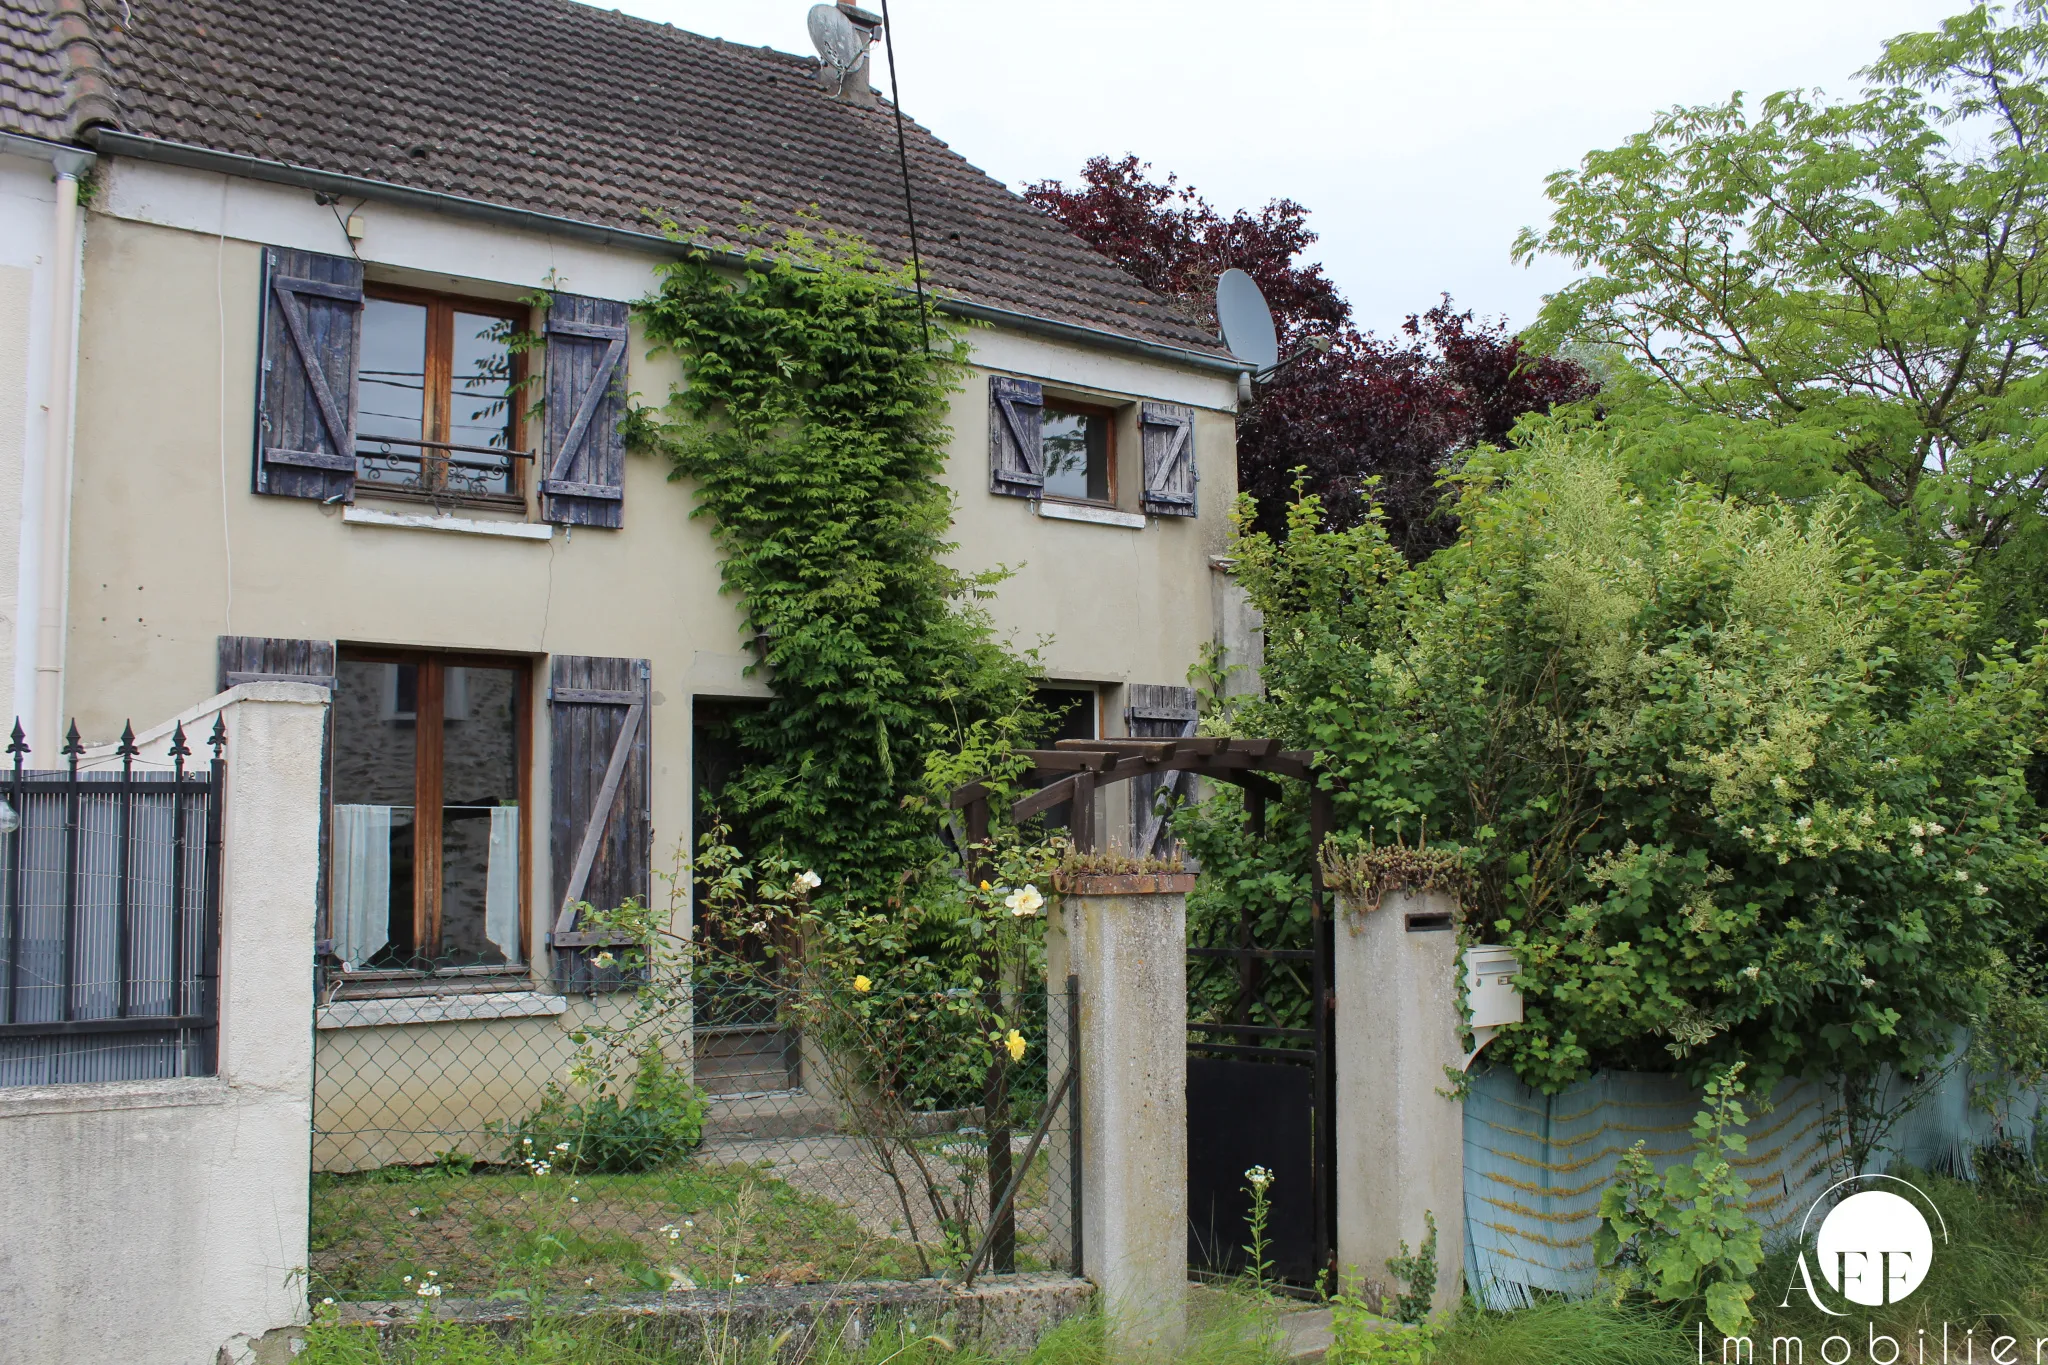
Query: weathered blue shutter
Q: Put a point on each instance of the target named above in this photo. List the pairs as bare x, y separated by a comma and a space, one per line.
1166, 433
1157, 711
585, 392
306, 391
601, 828
1016, 415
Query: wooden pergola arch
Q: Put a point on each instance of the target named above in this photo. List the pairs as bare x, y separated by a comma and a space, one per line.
1075, 769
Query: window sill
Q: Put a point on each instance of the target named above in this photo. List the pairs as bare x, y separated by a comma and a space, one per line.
390, 1011
437, 521
1090, 512
92, 1097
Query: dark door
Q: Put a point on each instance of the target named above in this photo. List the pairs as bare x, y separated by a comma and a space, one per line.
1259, 1082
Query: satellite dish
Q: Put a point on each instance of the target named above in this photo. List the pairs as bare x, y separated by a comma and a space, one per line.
1246, 320
840, 45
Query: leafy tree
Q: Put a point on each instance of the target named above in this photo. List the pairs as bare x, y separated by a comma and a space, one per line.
1735, 785
1841, 295
1372, 410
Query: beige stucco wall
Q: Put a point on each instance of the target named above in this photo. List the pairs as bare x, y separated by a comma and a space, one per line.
171, 549
26, 278
149, 1221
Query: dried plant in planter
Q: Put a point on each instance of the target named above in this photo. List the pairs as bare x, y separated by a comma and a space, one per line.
1364, 872
1116, 863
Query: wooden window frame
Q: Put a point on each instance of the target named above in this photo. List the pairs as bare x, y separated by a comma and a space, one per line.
1108, 416
438, 400
427, 754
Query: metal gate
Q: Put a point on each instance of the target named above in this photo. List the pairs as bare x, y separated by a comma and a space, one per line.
1259, 1095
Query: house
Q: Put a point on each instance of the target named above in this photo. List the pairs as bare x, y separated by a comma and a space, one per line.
307, 235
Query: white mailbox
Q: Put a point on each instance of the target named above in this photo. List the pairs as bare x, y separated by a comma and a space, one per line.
1490, 985
1490, 992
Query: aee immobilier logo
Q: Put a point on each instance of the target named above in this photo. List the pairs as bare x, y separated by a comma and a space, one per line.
1872, 1247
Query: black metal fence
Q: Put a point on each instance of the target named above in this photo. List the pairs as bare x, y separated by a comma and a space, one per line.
110, 915
741, 1131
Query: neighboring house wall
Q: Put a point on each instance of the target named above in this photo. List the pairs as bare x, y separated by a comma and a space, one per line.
150, 1221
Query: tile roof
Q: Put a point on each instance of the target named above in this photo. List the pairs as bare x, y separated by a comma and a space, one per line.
565, 109
32, 98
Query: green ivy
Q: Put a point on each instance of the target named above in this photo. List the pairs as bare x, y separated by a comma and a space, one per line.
813, 423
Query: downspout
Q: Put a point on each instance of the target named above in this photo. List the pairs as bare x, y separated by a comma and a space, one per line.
90, 104
54, 523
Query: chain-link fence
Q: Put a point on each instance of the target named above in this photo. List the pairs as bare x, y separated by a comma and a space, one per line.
738, 1131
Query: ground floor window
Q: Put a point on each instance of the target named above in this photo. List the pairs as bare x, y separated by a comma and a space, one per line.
427, 836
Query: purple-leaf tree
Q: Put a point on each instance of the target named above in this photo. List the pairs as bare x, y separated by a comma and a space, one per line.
1399, 411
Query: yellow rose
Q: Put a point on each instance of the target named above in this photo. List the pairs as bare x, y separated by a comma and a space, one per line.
1015, 1043
862, 984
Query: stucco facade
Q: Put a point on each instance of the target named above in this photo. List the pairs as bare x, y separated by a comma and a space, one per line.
171, 549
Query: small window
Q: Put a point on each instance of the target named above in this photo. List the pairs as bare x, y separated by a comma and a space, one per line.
427, 829
437, 410
1078, 446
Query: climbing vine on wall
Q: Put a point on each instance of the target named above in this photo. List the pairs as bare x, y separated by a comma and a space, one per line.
812, 423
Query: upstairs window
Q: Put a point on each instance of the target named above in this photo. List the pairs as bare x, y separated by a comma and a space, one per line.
438, 412
1078, 446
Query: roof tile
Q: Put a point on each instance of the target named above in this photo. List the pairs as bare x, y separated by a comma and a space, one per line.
561, 108
32, 98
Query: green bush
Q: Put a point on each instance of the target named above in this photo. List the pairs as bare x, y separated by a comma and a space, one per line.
1735, 786
658, 1125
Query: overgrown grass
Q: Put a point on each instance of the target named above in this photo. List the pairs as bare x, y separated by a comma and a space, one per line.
1991, 1274
1569, 1332
484, 1232
1224, 1329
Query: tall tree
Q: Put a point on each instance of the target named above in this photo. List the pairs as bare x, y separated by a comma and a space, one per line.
1842, 294
1395, 411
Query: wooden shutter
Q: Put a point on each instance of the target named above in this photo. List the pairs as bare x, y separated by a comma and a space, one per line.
1157, 711
1166, 431
600, 823
585, 483
256, 658
1016, 419
306, 391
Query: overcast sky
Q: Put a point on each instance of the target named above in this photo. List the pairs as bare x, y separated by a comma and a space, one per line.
1417, 132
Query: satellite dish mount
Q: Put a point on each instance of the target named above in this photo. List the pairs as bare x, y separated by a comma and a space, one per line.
843, 34
1248, 330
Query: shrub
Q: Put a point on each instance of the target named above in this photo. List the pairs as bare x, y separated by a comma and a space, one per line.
658, 1125
1734, 785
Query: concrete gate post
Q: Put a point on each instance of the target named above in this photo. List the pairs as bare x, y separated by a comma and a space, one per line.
1400, 1141
1125, 938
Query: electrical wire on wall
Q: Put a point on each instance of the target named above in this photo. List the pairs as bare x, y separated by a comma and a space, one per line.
903, 161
